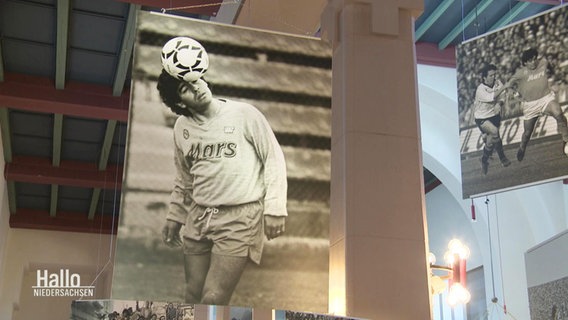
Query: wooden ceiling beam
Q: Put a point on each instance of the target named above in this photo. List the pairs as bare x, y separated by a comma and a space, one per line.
432, 18
94, 202
69, 173
38, 94
431, 185
1, 63
6, 133
57, 139
11, 196
64, 221
54, 200
552, 2
63, 12
125, 54
430, 54
510, 16
107, 144
103, 163
469, 19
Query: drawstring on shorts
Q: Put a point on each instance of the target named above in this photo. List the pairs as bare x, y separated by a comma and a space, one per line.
208, 212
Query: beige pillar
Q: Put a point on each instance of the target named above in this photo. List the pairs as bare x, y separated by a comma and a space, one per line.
262, 314
223, 313
201, 312
378, 267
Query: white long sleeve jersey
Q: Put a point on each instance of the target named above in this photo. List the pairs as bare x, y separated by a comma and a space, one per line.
485, 100
233, 158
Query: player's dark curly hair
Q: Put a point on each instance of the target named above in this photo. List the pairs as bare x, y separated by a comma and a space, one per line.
486, 68
528, 55
168, 89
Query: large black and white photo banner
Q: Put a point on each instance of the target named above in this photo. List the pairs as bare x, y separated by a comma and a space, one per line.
512, 99
227, 171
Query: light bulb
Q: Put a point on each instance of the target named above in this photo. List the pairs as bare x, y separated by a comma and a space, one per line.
464, 252
454, 245
452, 299
449, 258
459, 293
431, 258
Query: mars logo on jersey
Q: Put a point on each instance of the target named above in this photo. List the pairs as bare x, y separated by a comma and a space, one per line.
62, 284
536, 76
212, 150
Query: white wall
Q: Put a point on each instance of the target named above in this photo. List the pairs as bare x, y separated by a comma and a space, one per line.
26, 251
446, 222
554, 251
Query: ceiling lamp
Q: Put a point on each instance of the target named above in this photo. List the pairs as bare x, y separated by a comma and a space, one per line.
455, 269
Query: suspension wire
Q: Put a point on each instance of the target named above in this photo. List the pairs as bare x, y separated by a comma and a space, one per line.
100, 270
502, 307
164, 10
476, 24
115, 213
114, 218
500, 255
462, 22
491, 312
490, 249
496, 306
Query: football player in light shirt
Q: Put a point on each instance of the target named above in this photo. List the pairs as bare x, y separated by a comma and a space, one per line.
487, 115
531, 82
229, 190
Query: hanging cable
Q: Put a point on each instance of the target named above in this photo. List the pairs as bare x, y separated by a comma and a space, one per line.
494, 299
115, 210
114, 218
476, 24
462, 22
164, 10
500, 258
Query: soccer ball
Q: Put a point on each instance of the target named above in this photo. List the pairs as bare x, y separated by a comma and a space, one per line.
184, 58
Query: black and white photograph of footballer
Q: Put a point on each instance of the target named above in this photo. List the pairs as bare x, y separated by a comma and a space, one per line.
230, 185
227, 173
512, 100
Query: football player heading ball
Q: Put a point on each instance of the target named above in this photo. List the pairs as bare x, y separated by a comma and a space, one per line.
230, 185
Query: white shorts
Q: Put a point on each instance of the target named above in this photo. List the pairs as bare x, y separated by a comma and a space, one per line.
535, 108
